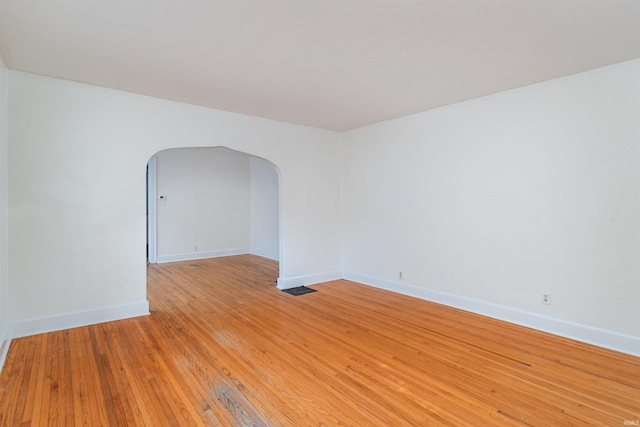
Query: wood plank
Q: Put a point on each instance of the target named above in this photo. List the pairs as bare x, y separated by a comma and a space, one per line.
224, 347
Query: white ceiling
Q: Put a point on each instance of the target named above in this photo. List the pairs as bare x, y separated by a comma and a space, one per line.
332, 64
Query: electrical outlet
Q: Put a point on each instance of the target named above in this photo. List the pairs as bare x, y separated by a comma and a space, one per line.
546, 299
400, 275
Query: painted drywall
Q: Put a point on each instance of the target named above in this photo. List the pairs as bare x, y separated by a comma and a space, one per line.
494, 201
489, 202
214, 202
203, 202
4, 220
265, 207
77, 192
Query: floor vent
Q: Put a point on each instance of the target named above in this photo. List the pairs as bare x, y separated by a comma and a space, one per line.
300, 290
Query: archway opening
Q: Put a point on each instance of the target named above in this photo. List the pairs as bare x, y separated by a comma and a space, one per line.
211, 202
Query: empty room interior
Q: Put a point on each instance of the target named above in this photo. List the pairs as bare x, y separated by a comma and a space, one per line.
321, 212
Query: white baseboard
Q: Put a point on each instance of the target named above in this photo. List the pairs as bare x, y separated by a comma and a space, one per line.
5, 342
265, 254
310, 279
201, 255
39, 325
603, 338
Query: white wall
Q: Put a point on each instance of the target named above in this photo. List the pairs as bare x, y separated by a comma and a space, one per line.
265, 206
487, 204
4, 210
204, 209
77, 194
483, 204
215, 202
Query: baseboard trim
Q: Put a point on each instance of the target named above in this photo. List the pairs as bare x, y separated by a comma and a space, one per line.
39, 325
265, 254
588, 334
310, 279
5, 342
201, 255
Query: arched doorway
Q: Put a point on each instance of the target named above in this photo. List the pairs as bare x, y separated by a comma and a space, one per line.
209, 202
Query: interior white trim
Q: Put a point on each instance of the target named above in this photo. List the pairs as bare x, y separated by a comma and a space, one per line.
152, 210
5, 342
588, 334
265, 253
57, 322
309, 279
201, 255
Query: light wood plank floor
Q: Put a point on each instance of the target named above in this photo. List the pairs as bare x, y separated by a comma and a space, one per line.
224, 347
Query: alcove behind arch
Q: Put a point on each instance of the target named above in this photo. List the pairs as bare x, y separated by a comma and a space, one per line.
209, 202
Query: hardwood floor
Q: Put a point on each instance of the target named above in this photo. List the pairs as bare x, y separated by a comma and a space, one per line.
224, 347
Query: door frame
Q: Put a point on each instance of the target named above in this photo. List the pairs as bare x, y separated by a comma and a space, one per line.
152, 210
